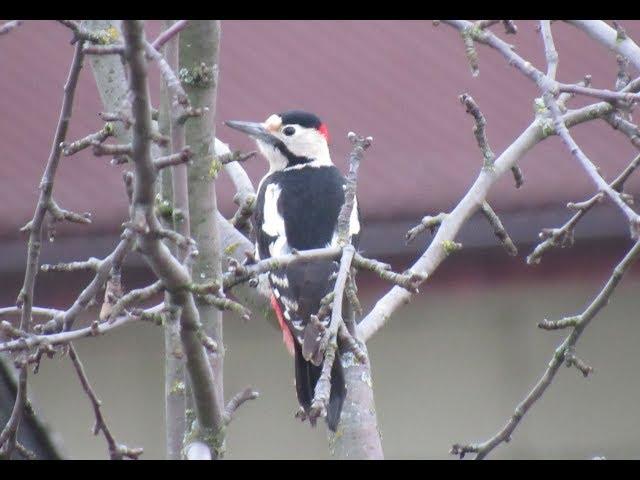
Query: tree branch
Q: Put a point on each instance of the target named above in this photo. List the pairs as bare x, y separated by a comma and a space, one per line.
209, 410
537, 131
116, 451
6, 27
563, 353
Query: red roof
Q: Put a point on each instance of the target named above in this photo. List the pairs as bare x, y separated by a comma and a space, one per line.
398, 81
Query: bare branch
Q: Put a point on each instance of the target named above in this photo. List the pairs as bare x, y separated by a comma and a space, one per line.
90, 264
409, 280
80, 33
168, 34
428, 222
8, 436
60, 214
222, 303
25, 298
90, 140
603, 94
100, 149
563, 132
209, 410
242, 218
171, 80
174, 159
25, 452
8, 26
95, 329
558, 324
498, 229
323, 386
241, 273
479, 128
237, 400
610, 38
510, 27
116, 451
546, 86
133, 297
629, 129
116, 49
483, 142
35, 311
564, 97
560, 355
623, 78
563, 236
351, 344
236, 156
550, 49
621, 33
482, 24
437, 251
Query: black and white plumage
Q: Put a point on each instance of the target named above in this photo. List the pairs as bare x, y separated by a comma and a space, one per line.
297, 207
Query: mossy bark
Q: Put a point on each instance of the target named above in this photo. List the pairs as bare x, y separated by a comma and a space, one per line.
199, 48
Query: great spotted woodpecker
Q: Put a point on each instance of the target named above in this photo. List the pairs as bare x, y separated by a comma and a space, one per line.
297, 207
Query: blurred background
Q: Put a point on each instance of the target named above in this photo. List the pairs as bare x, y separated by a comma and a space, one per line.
449, 367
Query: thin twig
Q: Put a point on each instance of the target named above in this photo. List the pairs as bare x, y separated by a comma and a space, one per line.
498, 229
479, 129
323, 386
427, 223
174, 159
550, 51
90, 140
25, 298
439, 248
9, 433
95, 329
236, 156
169, 33
116, 451
239, 273
560, 355
237, 400
133, 297
409, 281
8, 26
91, 264
563, 236
207, 402
242, 218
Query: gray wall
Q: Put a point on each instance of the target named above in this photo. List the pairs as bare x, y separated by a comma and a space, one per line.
449, 368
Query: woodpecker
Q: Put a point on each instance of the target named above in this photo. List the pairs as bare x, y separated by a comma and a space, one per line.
297, 208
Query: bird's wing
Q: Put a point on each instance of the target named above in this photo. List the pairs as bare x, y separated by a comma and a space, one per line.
299, 210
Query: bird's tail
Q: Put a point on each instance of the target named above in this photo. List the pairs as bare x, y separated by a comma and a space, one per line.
308, 374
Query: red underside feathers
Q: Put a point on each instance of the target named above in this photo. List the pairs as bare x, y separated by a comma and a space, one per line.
287, 338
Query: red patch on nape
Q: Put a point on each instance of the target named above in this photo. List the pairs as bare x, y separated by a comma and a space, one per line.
324, 131
287, 338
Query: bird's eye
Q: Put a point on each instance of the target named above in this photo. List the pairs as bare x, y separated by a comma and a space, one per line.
288, 131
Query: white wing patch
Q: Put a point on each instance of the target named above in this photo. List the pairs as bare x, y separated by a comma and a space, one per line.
289, 304
354, 225
297, 324
273, 223
280, 281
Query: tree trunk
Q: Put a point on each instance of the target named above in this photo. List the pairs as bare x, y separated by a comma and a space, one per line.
199, 47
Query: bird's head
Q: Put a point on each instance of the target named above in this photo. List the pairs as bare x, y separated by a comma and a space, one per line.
288, 139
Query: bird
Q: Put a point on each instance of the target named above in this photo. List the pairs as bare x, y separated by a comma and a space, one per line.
297, 207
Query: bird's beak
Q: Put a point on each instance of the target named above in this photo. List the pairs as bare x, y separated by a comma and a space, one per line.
253, 129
